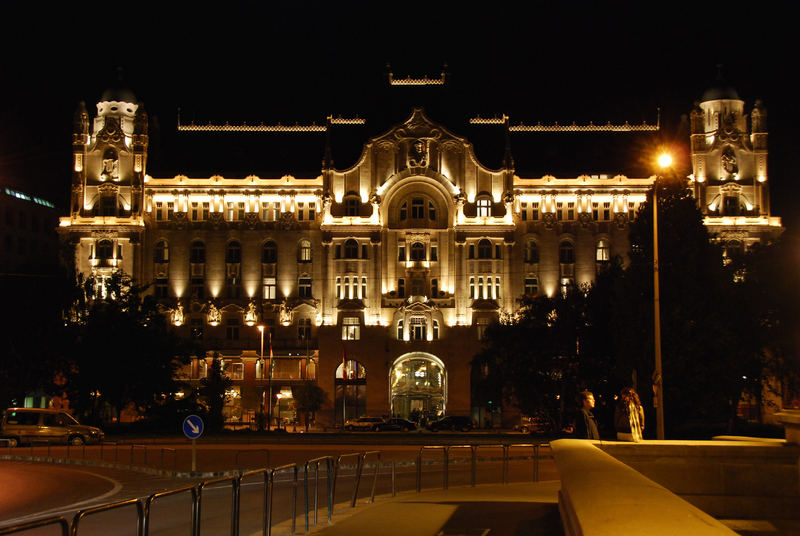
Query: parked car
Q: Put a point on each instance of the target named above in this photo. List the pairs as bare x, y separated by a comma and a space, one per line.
454, 423
536, 424
396, 424
26, 425
364, 424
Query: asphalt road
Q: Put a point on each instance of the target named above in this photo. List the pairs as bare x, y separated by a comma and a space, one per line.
31, 490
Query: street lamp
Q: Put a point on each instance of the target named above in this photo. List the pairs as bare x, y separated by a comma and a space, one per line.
664, 161
261, 366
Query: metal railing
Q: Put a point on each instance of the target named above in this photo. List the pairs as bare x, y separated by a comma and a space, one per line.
329, 489
148, 505
144, 507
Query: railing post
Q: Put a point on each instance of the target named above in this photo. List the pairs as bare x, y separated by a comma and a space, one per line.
505, 464
394, 478
474, 464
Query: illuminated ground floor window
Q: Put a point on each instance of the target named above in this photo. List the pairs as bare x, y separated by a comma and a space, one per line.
418, 386
351, 391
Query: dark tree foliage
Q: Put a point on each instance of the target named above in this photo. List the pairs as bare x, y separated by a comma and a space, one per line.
121, 349
706, 334
214, 393
308, 398
542, 359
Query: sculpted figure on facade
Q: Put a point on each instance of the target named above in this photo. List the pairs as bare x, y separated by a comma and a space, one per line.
418, 153
728, 160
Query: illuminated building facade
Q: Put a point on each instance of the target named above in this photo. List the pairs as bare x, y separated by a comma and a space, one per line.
729, 170
375, 281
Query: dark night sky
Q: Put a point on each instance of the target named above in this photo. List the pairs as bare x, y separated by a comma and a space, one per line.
271, 62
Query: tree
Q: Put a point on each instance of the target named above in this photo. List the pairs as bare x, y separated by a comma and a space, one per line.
540, 360
706, 342
121, 349
308, 398
214, 392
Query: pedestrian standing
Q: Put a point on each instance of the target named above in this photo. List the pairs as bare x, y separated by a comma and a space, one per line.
586, 424
629, 416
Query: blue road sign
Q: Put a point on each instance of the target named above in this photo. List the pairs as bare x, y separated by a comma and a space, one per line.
192, 426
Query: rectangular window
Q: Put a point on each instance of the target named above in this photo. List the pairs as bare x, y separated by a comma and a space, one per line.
434, 253
230, 213
480, 288
312, 211
232, 329
523, 211
434, 288
607, 211
472, 288
170, 211
497, 288
234, 371
401, 288
631, 211
484, 208
206, 210
300, 210
401, 253
531, 286
351, 328
304, 329
364, 251
595, 211
418, 328
347, 287
304, 287
159, 211
196, 328
560, 211
195, 211
482, 324
270, 288
198, 288
338, 288
161, 288
570, 211
363, 287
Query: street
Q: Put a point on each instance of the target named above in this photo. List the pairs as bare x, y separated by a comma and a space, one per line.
35, 490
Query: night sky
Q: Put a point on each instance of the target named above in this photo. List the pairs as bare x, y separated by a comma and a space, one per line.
274, 62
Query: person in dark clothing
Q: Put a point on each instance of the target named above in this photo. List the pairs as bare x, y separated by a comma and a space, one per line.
585, 424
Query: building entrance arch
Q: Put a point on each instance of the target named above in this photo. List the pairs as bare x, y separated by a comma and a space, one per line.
350, 400
418, 386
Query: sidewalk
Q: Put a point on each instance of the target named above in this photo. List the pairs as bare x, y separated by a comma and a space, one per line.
495, 509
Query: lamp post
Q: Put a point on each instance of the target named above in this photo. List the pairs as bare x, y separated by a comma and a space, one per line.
261, 363
664, 161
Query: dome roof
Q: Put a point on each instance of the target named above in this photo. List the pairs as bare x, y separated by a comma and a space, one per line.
721, 92
119, 94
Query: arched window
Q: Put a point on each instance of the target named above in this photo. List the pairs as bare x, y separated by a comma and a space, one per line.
418, 385
566, 253
532, 252
161, 252
269, 253
351, 249
484, 249
304, 251
435, 330
603, 253
233, 254
417, 251
400, 335
105, 250
197, 254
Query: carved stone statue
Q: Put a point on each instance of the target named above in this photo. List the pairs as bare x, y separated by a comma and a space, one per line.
418, 154
214, 316
110, 167
250, 316
177, 315
728, 160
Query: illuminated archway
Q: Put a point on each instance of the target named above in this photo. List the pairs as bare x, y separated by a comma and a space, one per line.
418, 385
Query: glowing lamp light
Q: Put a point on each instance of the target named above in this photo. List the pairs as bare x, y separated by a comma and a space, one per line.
664, 160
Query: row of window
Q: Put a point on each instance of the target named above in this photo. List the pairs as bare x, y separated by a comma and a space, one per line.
233, 252
566, 211
566, 252
235, 211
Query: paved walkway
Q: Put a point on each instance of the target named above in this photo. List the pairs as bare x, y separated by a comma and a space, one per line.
485, 510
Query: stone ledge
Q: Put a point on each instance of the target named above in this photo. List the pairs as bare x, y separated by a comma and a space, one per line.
601, 496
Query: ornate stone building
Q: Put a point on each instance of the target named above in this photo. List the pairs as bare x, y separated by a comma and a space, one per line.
375, 281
